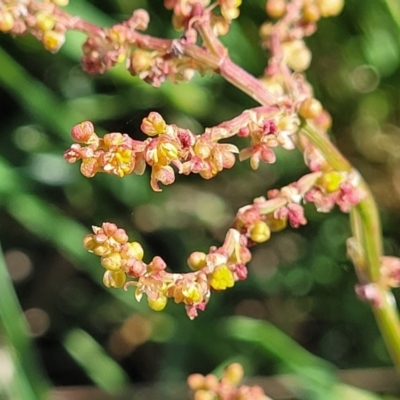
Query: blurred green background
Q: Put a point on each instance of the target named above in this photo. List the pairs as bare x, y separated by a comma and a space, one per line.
300, 281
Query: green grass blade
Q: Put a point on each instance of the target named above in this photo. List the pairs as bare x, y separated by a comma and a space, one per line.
29, 380
101, 368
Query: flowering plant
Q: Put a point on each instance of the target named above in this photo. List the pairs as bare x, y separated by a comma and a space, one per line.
288, 116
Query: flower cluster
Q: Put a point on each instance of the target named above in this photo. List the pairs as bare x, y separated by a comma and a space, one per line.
122, 43
115, 153
167, 145
152, 59
289, 53
336, 188
185, 12
40, 19
264, 216
124, 265
297, 19
221, 267
267, 133
107, 47
225, 388
169, 149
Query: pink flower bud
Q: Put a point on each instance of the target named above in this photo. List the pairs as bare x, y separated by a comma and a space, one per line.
109, 228
241, 272
157, 264
244, 132
369, 292
136, 268
390, 269
83, 132
139, 20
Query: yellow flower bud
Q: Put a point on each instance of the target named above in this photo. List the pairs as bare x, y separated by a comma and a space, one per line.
101, 250
6, 21
233, 373
159, 303
275, 8
203, 394
310, 108
195, 381
61, 3
297, 55
265, 30
113, 279
260, 232
89, 243
112, 262
220, 25
197, 260
330, 8
53, 40
45, 22
136, 250
311, 13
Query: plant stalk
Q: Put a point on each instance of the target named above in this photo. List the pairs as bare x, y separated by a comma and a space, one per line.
366, 229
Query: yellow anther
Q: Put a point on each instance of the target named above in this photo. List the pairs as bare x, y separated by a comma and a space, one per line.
113, 279
112, 262
222, 278
331, 181
192, 294
168, 150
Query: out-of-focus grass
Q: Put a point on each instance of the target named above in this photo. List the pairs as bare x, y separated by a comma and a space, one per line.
22, 377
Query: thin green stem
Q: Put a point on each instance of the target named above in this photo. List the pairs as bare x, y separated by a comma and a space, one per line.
355, 249
326, 147
387, 318
371, 228
28, 379
367, 231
